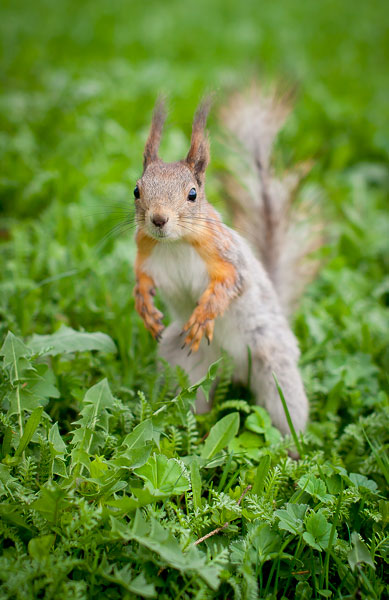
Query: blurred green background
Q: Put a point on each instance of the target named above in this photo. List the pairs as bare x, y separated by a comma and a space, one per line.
79, 80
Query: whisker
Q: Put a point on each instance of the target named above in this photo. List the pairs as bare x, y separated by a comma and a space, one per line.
115, 231
247, 234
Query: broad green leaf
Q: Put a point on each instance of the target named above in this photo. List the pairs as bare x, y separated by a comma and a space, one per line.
266, 542
359, 553
29, 430
39, 547
259, 420
318, 531
220, 435
315, 487
67, 340
124, 505
133, 458
164, 476
139, 435
247, 444
360, 481
291, 518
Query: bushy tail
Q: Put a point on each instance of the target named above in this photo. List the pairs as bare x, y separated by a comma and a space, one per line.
261, 202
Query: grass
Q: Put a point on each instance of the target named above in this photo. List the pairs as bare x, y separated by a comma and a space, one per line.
106, 477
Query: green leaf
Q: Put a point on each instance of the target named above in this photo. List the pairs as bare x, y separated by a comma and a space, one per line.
163, 477
360, 481
140, 587
220, 435
259, 421
67, 340
133, 458
56, 441
29, 430
261, 474
51, 502
359, 553
95, 415
318, 531
15, 354
291, 518
153, 536
315, 487
303, 591
266, 541
39, 547
196, 484
140, 434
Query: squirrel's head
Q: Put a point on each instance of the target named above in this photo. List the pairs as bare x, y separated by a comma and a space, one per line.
169, 196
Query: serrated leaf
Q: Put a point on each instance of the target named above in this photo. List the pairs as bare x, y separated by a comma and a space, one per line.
67, 340
163, 476
15, 356
50, 502
86, 439
291, 518
360, 481
220, 435
318, 531
152, 535
315, 487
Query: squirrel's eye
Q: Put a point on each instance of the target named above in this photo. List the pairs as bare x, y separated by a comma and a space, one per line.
136, 192
192, 195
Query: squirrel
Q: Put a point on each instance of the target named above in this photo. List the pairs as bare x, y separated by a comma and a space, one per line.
221, 295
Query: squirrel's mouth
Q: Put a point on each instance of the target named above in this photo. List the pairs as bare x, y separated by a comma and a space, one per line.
164, 233
158, 233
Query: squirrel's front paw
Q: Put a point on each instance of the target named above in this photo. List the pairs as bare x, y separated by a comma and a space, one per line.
198, 325
151, 316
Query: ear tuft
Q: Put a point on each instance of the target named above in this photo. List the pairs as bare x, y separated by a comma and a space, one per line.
152, 145
198, 155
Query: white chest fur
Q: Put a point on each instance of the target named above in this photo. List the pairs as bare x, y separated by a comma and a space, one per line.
180, 274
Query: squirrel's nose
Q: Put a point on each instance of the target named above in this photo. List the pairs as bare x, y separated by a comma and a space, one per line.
159, 220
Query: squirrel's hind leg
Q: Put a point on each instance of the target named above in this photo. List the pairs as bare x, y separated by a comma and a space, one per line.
289, 379
195, 364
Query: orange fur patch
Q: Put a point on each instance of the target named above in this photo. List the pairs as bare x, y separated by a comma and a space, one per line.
144, 289
221, 290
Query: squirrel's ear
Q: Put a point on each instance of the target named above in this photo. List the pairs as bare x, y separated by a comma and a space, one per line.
198, 155
152, 145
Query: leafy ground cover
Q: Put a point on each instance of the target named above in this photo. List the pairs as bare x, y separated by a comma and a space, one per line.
109, 485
